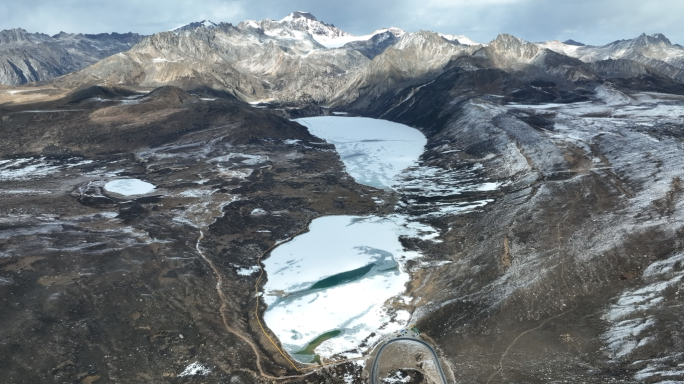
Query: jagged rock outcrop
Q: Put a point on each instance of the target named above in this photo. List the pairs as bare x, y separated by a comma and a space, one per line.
573, 42
377, 44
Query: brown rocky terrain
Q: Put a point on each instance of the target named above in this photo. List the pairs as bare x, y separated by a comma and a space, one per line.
99, 287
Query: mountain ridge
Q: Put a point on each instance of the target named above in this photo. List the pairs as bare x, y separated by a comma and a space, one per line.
301, 59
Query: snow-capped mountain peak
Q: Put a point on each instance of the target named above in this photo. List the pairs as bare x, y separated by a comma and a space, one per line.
194, 25
461, 39
297, 24
300, 24
397, 32
306, 22
298, 15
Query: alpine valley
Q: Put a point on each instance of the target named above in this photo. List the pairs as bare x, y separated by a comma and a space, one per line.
276, 201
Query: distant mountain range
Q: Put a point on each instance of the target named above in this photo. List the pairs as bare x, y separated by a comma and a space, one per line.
28, 57
300, 59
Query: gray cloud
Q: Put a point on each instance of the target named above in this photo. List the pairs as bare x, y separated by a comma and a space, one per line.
589, 21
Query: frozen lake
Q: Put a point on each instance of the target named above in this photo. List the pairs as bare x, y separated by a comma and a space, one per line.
336, 280
329, 289
374, 151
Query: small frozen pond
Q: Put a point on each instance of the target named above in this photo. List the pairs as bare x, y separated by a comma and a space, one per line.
335, 280
129, 187
374, 151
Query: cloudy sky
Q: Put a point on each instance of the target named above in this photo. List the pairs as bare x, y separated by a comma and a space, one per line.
589, 21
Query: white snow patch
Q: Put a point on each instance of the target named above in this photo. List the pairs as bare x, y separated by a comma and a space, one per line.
242, 158
462, 39
396, 378
248, 271
658, 371
195, 193
22, 90
339, 41
612, 96
251, 23
627, 314
258, 212
29, 168
23, 192
623, 337
195, 369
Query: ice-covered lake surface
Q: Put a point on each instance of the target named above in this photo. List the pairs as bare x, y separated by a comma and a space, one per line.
129, 187
334, 283
332, 288
338, 277
374, 151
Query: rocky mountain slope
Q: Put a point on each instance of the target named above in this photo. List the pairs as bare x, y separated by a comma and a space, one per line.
416, 58
29, 57
250, 61
580, 255
377, 43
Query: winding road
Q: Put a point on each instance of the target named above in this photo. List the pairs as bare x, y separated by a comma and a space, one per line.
373, 373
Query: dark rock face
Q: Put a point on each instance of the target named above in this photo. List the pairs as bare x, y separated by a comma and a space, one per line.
573, 42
